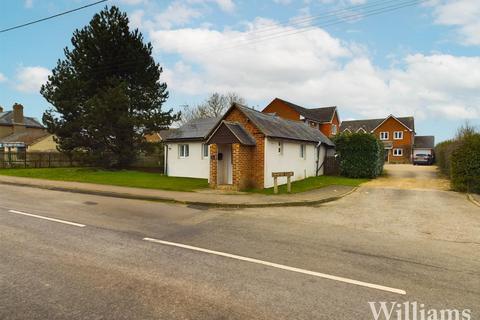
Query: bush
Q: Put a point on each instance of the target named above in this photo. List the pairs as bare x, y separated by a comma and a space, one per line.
465, 164
361, 155
443, 155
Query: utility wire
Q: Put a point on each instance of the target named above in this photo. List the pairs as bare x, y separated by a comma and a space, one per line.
51, 17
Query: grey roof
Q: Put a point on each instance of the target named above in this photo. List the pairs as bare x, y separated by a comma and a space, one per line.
197, 129
321, 115
424, 142
6, 119
25, 137
241, 133
276, 127
370, 124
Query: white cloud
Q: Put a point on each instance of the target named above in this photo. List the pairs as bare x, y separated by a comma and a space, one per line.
28, 4
133, 2
463, 14
317, 69
3, 78
176, 14
30, 79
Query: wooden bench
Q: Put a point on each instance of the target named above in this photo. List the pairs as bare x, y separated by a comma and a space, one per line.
276, 175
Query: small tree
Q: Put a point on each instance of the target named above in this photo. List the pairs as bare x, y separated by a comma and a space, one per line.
214, 106
106, 93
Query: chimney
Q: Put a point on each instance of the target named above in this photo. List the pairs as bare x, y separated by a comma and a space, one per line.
18, 113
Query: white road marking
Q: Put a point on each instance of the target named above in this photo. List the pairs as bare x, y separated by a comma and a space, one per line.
281, 266
46, 218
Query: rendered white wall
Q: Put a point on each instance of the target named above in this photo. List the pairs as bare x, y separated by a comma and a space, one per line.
194, 166
290, 160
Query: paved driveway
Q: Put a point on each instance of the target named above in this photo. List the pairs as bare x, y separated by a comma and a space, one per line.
407, 176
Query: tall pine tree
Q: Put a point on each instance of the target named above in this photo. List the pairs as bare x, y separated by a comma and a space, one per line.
106, 93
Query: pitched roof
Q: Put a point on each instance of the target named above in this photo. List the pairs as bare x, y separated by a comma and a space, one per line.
23, 137
197, 129
424, 142
370, 124
321, 115
276, 127
241, 133
6, 119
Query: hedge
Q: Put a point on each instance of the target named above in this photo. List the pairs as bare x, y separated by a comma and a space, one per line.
443, 155
465, 165
361, 155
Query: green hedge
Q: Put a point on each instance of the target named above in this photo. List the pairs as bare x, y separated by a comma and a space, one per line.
443, 155
361, 155
465, 164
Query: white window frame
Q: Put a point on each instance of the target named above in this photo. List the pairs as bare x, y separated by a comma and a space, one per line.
397, 152
303, 151
384, 135
205, 147
361, 130
280, 148
334, 129
395, 135
183, 151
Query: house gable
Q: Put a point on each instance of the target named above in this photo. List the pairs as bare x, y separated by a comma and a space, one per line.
282, 109
389, 119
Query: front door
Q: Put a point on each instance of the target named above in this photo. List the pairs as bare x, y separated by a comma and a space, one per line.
224, 164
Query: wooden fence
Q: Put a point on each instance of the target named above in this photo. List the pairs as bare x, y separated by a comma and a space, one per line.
332, 166
14, 159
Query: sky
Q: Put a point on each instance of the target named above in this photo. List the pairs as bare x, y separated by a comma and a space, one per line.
421, 60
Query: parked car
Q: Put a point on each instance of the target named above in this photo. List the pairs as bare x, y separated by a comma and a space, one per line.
421, 158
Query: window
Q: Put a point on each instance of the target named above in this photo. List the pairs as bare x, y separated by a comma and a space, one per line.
280, 148
397, 152
383, 135
183, 150
334, 129
303, 149
205, 150
398, 135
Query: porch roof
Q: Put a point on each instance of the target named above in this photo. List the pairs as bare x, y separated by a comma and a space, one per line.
231, 132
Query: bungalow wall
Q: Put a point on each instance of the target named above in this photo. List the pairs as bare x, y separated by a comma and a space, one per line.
195, 165
289, 159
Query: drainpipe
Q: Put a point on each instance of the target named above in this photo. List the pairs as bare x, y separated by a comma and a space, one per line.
165, 165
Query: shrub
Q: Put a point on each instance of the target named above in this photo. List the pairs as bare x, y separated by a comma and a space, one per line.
443, 154
465, 164
361, 155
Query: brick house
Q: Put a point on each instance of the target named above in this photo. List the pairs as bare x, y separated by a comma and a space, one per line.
18, 132
325, 119
247, 146
397, 134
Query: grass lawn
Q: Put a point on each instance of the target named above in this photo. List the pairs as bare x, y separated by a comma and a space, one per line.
124, 178
314, 183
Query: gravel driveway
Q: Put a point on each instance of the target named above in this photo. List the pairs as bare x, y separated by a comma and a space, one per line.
407, 176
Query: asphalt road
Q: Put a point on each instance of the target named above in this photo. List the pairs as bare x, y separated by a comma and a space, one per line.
427, 244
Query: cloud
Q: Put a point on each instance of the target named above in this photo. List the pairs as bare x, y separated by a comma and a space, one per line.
30, 79
316, 69
463, 14
28, 4
3, 78
176, 14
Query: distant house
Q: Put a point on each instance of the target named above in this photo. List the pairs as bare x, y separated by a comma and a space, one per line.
424, 145
325, 119
18, 132
243, 148
159, 136
397, 135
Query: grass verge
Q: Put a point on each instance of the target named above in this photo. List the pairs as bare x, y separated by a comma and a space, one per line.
313, 183
124, 178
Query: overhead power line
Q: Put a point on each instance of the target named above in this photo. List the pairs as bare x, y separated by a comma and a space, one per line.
51, 17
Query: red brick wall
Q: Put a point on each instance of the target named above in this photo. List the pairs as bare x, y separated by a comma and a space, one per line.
213, 166
326, 128
282, 110
390, 126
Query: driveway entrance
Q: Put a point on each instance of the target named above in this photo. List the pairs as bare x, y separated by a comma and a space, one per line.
407, 176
